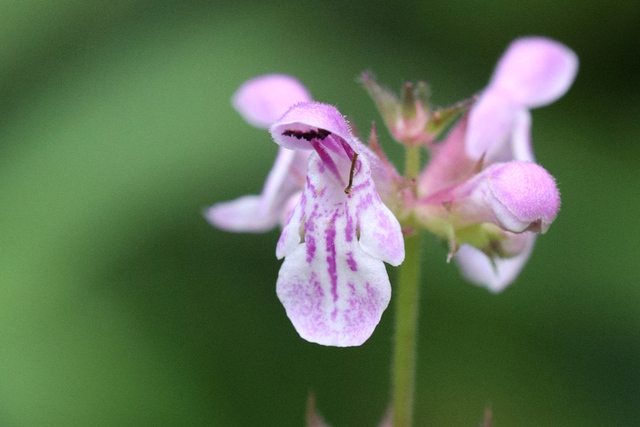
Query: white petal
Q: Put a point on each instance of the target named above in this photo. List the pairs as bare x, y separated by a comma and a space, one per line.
290, 236
342, 312
479, 270
289, 207
333, 290
380, 233
323, 124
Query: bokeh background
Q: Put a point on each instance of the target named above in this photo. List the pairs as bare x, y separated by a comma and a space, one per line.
121, 306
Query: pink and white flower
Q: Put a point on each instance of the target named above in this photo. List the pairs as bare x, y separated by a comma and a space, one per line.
482, 189
333, 283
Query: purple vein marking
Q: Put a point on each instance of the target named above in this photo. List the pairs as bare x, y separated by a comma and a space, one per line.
330, 240
353, 265
325, 157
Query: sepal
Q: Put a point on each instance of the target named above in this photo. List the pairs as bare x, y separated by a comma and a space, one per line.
405, 118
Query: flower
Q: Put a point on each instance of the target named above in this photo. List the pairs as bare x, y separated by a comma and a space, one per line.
333, 283
482, 190
261, 101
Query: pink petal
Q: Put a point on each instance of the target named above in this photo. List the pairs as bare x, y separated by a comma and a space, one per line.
491, 123
240, 215
478, 268
264, 99
261, 213
521, 146
516, 196
536, 71
449, 163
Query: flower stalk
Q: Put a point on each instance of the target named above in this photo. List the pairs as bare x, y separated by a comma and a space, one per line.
404, 364
407, 294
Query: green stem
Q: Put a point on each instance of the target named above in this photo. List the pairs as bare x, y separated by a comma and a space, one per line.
412, 162
404, 367
407, 298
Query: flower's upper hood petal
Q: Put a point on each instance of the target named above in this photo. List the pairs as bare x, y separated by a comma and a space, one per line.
322, 124
310, 121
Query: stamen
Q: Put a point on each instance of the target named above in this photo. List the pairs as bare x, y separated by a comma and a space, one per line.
353, 167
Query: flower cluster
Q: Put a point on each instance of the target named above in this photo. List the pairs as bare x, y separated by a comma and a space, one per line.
341, 203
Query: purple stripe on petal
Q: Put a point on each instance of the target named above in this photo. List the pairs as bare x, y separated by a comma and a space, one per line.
330, 241
327, 160
349, 231
311, 248
353, 265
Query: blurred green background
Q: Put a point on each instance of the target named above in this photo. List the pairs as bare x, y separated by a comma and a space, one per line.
121, 306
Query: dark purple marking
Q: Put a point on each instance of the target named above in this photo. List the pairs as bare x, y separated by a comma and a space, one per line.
353, 265
372, 292
349, 232
309, 135
311, 187
311, 248
330, 241
325, 157
321, 167
332, 145
317, 286
361, 186
347, 148
365, 202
